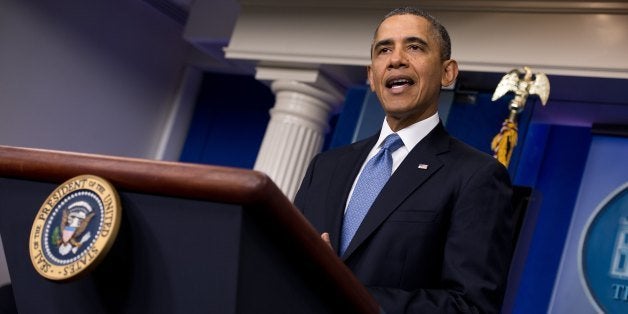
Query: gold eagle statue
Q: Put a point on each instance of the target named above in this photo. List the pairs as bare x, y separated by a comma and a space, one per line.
522, 82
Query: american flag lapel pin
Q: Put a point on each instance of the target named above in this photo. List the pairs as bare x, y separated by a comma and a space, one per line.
422, 166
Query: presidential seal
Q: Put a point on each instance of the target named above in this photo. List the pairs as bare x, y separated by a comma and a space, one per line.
74, 228
603, 259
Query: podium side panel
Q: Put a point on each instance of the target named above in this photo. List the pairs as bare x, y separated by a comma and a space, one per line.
172, 255
275, 278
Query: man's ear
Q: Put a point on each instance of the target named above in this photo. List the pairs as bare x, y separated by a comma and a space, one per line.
369, 73
450, 72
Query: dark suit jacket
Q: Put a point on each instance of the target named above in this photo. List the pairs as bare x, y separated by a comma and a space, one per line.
436, 240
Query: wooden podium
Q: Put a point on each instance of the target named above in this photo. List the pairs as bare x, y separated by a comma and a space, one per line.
193, 239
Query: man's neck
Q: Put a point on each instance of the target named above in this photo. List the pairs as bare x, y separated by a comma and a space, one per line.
396, 124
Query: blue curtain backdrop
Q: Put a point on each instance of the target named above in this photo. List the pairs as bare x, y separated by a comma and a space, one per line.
560, 154
606, 170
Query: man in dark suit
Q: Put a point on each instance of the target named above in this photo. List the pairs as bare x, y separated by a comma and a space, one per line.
438, 237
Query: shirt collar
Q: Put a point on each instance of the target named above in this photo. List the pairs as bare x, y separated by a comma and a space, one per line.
412, 134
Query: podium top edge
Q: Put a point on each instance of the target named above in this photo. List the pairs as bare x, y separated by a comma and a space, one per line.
177, 179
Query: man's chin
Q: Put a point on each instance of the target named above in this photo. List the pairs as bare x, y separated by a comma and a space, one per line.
406, 113
398, 107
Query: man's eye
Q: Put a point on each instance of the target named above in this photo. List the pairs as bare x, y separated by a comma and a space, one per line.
384, 50
414, 47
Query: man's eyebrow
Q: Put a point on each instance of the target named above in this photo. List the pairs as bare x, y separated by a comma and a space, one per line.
414, 39
383, 42
388, 41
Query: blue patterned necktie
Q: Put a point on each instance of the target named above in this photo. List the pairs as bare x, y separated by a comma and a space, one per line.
371, 181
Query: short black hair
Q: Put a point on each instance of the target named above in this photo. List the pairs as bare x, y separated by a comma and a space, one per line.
440, 31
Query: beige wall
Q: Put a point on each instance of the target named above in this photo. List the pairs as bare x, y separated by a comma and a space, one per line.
90, 76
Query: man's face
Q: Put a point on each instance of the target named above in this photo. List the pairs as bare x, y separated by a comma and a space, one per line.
406, 70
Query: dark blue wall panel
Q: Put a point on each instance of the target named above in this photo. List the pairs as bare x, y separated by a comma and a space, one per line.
229, 122
476, 124
348, 118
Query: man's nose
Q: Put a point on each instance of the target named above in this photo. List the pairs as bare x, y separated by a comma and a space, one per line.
397, 59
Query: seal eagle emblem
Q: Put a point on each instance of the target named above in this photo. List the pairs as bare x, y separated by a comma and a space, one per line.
74, 221
75, 228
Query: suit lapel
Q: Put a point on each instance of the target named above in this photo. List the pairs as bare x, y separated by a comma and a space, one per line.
342, 179
410, 175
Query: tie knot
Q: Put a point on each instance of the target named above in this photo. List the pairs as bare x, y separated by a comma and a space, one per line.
392, 142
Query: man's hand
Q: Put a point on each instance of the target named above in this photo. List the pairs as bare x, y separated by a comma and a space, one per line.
325, 237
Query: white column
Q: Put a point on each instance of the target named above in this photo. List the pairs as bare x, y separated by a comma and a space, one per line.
304, 102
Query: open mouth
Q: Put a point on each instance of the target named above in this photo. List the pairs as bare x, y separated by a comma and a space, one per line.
399, 82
